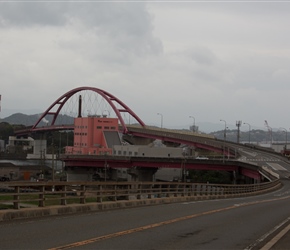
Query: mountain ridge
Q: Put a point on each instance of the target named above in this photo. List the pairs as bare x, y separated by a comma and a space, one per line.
30, 120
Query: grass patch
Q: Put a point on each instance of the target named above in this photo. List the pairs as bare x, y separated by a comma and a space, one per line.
6, 197
4, 206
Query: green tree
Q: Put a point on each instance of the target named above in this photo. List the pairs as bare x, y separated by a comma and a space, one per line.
6, 130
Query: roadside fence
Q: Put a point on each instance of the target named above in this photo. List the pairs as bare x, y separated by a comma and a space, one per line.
17, 195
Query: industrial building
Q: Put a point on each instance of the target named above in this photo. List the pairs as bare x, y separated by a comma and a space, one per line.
96, 135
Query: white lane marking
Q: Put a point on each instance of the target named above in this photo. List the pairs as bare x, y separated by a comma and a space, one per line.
276, 166
276, 239
249, 153
266, 235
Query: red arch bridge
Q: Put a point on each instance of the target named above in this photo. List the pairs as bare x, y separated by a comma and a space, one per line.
58, 117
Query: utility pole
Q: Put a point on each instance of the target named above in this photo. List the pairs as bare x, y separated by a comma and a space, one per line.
286, 138
225, 137
52, 160
238, 124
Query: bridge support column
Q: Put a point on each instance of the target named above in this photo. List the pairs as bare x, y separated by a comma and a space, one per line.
142, 174
238, 178
79, 174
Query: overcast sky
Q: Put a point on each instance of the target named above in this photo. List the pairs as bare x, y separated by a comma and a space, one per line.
211, 60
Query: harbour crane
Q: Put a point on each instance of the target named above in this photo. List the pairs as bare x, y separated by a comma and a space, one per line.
269, 131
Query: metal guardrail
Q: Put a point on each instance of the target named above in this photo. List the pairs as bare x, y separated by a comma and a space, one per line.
185, 136
177, 132
43, 194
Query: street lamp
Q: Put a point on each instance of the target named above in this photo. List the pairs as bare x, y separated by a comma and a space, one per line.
193, 128
161, 119
225, 132
286, 137
249, 131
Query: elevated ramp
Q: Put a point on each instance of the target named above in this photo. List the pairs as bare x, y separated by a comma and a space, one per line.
112, 138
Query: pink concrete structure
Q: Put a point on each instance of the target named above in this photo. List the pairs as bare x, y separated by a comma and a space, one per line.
89, 135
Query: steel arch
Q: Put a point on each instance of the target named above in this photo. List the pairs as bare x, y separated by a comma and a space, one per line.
106, 95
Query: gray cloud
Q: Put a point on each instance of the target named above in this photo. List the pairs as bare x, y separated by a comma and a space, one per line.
118, 30
203, 56
27, 14
128, 26
212, 61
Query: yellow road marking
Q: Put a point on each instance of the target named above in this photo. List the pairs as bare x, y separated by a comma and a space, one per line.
138, 229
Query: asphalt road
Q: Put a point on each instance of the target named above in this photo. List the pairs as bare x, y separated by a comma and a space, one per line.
278, 164
241, 223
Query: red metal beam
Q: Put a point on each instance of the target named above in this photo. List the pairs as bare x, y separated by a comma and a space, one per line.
59, 103
127, 162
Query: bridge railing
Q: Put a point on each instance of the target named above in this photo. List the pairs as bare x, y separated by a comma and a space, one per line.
184, 137
16, 195
174, 132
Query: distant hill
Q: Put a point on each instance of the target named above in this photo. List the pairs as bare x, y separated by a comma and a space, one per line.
29, 120
20, 118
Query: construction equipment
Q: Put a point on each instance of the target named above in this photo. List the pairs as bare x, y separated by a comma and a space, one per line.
270, 132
